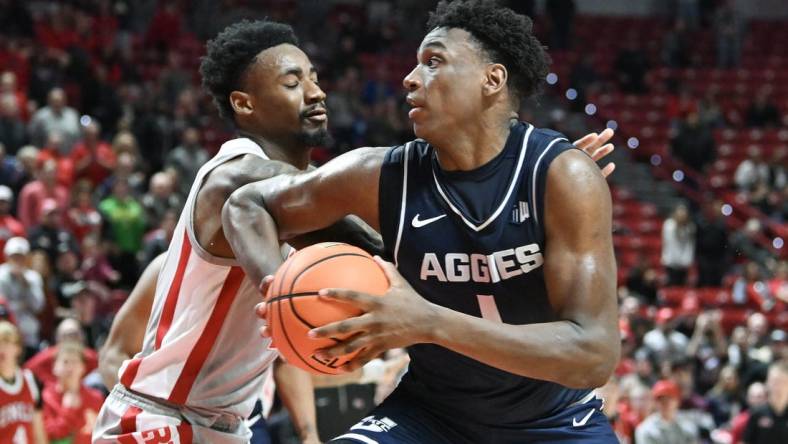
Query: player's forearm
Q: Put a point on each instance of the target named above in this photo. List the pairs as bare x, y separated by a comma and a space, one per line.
295, 389
252, 233
560, 351
350, 229
109, 362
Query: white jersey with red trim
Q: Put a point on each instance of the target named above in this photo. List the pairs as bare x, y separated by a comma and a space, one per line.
202, 346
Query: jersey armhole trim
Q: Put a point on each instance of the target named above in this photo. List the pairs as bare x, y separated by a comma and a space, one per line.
196, 246
405, 161
535, 177
31, 384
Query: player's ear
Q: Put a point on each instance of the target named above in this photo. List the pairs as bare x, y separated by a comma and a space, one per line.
495, 77
242, 103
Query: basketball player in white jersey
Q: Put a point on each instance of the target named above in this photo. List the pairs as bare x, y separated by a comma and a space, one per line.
202, 363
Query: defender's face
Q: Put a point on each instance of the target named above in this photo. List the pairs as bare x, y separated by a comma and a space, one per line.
445, 87
286, 96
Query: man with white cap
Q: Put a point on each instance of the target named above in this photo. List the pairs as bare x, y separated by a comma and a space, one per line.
23, 288
9, 225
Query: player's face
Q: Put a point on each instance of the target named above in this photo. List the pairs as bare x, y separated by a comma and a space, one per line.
287, 99
445, 87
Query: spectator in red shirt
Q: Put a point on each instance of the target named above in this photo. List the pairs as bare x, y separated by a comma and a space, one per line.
93, 158
57, 151
33, 195
9, 225
70, 408
42, 364
82, 218
9, 85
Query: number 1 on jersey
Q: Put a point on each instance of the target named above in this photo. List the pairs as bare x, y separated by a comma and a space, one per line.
488, 307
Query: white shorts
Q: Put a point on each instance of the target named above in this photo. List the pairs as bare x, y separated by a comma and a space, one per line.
127, 418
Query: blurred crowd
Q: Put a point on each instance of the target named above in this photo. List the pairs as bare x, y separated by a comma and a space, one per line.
103, 126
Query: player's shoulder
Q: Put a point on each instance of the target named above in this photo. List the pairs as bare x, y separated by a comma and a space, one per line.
414, 149
542, 138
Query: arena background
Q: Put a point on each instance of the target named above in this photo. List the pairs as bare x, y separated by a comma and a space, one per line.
697, 91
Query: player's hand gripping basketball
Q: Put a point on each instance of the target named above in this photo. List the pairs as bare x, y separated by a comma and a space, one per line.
399, 319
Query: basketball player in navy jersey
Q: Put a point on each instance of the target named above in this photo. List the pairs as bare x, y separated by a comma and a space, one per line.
499, 240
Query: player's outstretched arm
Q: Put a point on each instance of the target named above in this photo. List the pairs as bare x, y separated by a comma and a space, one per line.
579, 349
128, 328
259, 214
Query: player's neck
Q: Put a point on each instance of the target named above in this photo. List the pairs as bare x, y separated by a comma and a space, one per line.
294, 154
472, 146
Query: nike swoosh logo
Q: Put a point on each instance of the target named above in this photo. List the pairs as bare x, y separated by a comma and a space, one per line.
420, 223
582, 422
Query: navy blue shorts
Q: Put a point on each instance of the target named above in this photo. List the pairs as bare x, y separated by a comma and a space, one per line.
399, 420
258, 426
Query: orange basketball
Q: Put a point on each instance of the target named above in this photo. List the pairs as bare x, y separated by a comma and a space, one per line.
295, 308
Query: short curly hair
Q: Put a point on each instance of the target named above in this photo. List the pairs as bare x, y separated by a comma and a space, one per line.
505, 36
232, 51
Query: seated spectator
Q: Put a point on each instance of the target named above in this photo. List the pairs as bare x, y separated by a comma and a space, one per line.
752, 170
42, 364
161, 198
707, 347
58, 117
694, 144
11, 173
186, 159
54, 150
762, 112
710, 111
82, 217
93, 158
70, 408
13, 133
66, 273
761, 197
675, 46
95, 266
767, 424
665, 426
678, 245
49, 236
9, 87
125, 170
158, 240
24, 169
749, 289
84, 299
125, 219
19, 395
744, 242
664, 341
711, 245
756, 397
23, 288
9, 225
33, 195
631, 66
725, 400
644, 370
634, 407
778, 284
642, 281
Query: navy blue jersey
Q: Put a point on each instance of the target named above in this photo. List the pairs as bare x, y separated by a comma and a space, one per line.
486, 265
